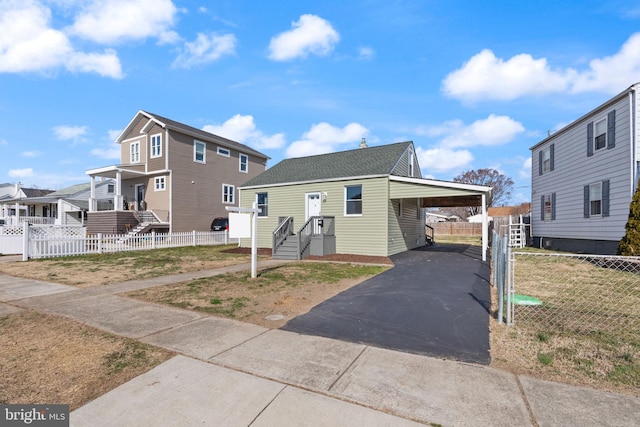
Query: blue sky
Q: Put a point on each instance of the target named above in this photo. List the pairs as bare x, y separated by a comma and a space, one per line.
473, 84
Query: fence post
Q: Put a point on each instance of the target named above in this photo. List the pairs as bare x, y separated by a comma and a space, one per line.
510, 268
194, 238
100, 243
226, 236
25, 241
153, 239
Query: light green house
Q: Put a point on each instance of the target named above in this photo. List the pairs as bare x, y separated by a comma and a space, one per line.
366, 201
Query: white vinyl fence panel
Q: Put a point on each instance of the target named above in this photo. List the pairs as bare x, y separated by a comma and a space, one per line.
10, 239
43, 244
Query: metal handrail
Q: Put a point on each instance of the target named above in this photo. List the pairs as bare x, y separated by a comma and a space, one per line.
281, 233
429, 233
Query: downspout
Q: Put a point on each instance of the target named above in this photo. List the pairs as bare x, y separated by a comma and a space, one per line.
166, 166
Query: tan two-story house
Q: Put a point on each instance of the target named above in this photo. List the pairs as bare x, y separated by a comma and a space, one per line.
171, 177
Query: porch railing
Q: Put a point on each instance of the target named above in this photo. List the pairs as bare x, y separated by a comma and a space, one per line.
315, 226
19, 220
284, 230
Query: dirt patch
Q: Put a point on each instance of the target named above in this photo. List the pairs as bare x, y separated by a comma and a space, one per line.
276, 296
97, 270
50, 359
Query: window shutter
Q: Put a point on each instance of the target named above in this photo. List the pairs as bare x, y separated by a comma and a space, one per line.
590, 139
553, 206
611, 129
540, 162
542, 208
551, 157
605, 198
586, 201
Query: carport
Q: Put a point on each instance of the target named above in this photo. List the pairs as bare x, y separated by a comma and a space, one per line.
434, 193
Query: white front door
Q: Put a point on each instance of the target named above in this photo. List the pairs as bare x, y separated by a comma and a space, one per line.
313, 206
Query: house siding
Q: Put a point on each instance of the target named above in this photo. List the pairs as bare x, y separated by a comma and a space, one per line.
197, 187
402, 167
361, 235
156, 163
573, 169
406, 231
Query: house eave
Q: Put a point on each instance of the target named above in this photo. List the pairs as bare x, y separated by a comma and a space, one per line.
443, 184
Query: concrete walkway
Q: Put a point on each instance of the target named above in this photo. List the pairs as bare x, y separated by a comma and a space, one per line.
230, 373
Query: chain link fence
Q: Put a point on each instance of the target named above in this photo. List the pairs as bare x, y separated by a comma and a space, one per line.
583, 294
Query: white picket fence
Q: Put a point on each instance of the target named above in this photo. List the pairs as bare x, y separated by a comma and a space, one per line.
39, 242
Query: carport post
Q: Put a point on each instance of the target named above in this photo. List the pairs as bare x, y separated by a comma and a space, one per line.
485, 227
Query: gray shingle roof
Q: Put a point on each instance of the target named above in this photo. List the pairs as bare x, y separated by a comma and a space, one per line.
206, 136
379, 160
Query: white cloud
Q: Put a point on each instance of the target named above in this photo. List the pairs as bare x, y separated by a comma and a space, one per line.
494, 130
324, 138
525, 170
486, 77
310, 35
443, 159
34, 153
113, 21
27, 43
66, 133
205, 49
365, 53
243, 129
20, 173
606, 74
109, 153
113, 134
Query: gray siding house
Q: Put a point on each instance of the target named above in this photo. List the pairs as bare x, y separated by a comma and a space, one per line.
366, 201
171, 177
584, 177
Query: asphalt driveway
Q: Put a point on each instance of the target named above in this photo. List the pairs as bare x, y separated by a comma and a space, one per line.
435, 301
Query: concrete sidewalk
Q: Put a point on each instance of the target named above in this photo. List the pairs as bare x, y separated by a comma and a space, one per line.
231, 373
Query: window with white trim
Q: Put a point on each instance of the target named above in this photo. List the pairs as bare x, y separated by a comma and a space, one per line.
263, 204
595, 199
156, 145
353, 200
224, 152
228, 191
111, 188
134, 151
244, 163
199, 152
601, 133
159, 183
546, 160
